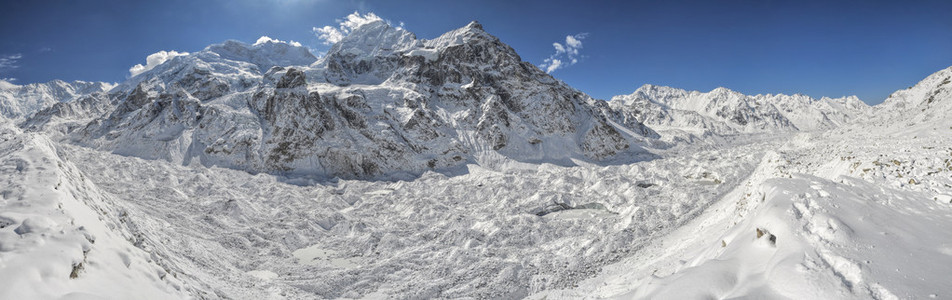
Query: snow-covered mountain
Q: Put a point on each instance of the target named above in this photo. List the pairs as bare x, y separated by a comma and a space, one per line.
846, 213
380, 102
63, 118
927, 101
806, 199
19, 101
723, 111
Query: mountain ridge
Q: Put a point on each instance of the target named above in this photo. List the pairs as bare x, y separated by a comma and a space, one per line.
724, 112
21, 101
380, 102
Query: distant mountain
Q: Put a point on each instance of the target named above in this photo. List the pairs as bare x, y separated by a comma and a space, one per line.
380, 102
20, 101
63, 118
723, 111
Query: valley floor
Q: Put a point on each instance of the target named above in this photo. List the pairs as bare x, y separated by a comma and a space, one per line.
843, 214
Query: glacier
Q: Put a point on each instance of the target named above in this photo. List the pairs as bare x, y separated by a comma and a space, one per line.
399, 167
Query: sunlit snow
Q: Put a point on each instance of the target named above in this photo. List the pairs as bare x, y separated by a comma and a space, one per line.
138, 191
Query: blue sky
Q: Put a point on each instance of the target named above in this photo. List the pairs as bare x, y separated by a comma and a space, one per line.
823, 48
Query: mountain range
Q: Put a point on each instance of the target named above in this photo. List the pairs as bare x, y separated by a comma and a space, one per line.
400, 167
383, 102
20, 101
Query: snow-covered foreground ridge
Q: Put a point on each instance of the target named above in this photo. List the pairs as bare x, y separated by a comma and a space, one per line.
142, 192
854, 215
62, 237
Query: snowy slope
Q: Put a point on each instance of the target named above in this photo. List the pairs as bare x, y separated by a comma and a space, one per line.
20, 101
381, 102
852, 213
928, 101
723, 111
857, 220
62, 237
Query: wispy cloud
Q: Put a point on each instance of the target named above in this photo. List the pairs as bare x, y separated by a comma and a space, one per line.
9, 62
566, 54
153, 60
330, 34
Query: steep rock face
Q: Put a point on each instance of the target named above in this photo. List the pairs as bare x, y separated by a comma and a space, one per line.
21, 101
380, 102
722, 111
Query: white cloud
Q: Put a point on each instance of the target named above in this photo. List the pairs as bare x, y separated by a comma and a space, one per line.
266, 39
553, 64
153, 60
356, 20
9, 62
565, 54
573, 42
330, 34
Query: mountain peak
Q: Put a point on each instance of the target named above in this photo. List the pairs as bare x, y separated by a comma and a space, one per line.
722, 90
466, 34
374, 39
4, 85
653, 88
474, 25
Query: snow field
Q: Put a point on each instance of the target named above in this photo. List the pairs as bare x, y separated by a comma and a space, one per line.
60, 237
831, 216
